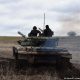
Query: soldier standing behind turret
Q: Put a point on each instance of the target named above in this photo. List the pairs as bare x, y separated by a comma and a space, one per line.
47, 32
34, 32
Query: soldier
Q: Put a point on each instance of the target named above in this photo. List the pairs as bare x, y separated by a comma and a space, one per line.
34, 32
47, 32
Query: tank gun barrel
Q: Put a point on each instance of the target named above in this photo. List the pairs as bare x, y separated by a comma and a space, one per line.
21, 34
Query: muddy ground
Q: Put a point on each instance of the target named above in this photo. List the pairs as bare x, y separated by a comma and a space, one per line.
9, 71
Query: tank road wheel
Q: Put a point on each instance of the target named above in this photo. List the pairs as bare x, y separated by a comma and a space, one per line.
15, 53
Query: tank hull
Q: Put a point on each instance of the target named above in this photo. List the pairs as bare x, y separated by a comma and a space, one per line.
42, 56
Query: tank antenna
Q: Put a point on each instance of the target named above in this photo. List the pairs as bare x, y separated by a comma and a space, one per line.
44, 22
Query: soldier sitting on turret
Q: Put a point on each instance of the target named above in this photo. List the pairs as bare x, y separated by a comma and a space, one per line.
34, 32
47, 32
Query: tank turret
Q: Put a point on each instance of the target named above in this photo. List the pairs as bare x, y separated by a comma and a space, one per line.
24, 41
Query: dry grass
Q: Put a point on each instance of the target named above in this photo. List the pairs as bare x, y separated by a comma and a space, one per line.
9, 72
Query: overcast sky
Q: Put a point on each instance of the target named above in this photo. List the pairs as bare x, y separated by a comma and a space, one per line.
21, 15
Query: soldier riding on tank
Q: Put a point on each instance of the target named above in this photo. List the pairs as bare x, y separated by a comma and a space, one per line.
34, 32
47, 32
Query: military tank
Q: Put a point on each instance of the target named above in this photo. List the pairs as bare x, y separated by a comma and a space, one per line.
40, 50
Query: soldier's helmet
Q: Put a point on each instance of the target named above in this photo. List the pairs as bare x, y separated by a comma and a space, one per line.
34, 27
47, 26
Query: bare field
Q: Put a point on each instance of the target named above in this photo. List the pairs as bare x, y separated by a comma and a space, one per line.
6, 44
9, 71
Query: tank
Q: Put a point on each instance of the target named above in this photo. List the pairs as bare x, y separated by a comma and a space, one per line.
40, 50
